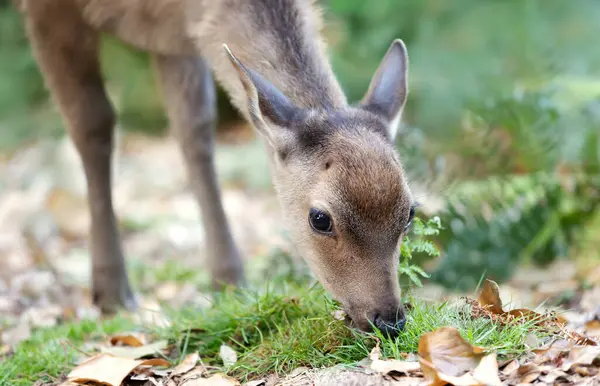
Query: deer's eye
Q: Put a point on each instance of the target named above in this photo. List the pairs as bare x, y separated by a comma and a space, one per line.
320, 221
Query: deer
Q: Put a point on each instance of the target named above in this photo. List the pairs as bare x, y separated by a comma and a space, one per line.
336, 172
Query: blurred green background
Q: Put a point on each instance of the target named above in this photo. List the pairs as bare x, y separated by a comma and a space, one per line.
502, 123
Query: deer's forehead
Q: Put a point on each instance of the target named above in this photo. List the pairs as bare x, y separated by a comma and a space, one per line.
368, 184
323, 131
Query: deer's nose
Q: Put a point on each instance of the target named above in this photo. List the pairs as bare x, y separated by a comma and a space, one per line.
390, 328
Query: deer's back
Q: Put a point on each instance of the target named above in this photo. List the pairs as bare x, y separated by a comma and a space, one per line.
152, 25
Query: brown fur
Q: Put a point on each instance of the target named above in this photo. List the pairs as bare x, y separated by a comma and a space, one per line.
271, 60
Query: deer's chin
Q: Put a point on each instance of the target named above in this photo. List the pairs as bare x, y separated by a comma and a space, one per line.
351, 323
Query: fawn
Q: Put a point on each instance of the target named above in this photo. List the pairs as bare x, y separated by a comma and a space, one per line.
334, 165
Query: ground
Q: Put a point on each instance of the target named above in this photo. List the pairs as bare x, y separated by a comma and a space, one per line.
44, 280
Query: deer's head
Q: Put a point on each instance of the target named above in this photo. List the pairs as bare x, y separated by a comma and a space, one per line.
342, 187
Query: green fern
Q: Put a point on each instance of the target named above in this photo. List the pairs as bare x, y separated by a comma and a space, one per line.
418, 244
497, 223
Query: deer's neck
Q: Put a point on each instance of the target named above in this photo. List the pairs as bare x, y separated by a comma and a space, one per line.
280, 39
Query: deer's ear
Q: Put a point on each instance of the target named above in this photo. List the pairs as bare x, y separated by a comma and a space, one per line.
388, 89
266, 104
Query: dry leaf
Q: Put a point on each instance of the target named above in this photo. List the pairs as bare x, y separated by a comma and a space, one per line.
592, 328
187, 364
554, 350
258, 382
582, 355
487, 371
197, 372
552, 376
395, 366
108, 369
228, 355
526, 373
489, 297
448, 358
438, 378
133, 340
215, 380
510, 367
375, 353
136, 352
449, 352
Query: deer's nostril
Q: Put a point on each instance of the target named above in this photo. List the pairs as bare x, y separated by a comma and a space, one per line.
392, 329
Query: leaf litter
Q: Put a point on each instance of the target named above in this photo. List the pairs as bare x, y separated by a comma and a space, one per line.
562, 360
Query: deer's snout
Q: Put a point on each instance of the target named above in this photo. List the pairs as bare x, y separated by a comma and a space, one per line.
389, 320
392, 327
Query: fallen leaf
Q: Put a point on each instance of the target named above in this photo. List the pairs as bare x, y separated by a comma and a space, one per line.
552, 376
487, 371
554, 350
489, 297
258, 382
228, 355
526, 373
188, 363
197, 372
449, 352
133, 340
510, 367
136, 352
446, 357
375, 353
392, 366
438, 378
592, 328
585, 371
215, 380
108, 369
582, 355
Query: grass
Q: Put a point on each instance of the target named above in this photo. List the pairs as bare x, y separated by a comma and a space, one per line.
274, 329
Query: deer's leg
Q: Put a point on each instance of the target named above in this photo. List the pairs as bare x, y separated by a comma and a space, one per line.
67, 52
190, 99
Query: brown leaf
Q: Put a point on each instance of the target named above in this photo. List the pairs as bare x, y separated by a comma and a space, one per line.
188, 363
438, 378
128, 340
487, 371
552, 376
526, 374
108, 369
391, 366
585, 371
510, 367
215, 380
258, 382
554, 350
582, 355
489, 297
136, 352
592, 328
448, 352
